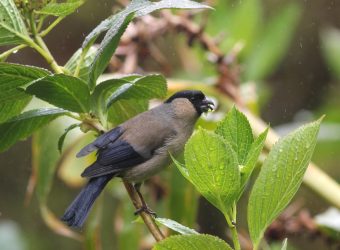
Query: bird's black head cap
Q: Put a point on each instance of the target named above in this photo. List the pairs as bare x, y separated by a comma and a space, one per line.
196, 97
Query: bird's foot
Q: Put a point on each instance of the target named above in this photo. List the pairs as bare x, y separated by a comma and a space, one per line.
147, 210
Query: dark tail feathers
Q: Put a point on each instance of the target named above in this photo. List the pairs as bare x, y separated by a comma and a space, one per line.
76, 214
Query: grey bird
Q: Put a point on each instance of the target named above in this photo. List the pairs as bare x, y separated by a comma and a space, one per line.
138, 149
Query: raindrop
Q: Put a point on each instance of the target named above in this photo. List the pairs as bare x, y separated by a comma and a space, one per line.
15, 51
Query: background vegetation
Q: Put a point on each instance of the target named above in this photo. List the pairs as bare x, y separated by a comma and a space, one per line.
278, 59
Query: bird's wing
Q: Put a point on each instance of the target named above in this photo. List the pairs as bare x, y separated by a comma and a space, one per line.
101, 141
128, 145
113, 158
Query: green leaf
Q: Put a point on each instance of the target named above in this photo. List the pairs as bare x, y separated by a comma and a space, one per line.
126, 97
60, 9
22, 126
177, 227
84, 71
63, 136
13, 76
12, 27
100, 94
116, 26
12, 108
236, 130
280, 178
63, 91
272, 43
251, 160
211, 166
108, 47
192, 242
330, 44
146, 87
123, 110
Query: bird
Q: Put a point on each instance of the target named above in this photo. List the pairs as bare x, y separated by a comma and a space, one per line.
138, 149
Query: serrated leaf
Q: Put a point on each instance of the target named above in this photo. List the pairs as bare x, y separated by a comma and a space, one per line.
146, 87
60, 9
22, 126
236, 130
211, 166
84, 71
330, 44
63, 136
12, 108
192, 242
251, 160
12, 27
280, 177
177, 227
116, 26
272, 43
63, 91
13, 76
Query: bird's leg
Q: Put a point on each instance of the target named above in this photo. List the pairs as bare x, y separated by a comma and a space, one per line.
144, 207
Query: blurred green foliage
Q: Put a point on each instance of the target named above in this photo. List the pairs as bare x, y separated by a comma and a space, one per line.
259, 43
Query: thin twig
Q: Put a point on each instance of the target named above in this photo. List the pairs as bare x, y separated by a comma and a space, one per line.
147, 218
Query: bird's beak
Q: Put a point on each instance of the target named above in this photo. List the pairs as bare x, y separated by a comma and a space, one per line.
207, 105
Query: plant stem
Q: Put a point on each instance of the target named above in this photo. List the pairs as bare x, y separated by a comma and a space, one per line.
40, 46
147, 218
230, 217
235, 237
12, 50
52, 25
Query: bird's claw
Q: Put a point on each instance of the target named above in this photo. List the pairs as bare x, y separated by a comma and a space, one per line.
147, 210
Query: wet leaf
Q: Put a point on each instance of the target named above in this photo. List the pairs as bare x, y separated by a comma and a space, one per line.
192, 242
211, 166
25, 124
280, 177
84, 71
12, 27
60, 9
236, 130
63, 91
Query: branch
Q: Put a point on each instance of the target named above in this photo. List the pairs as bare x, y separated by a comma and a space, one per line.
147, 218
